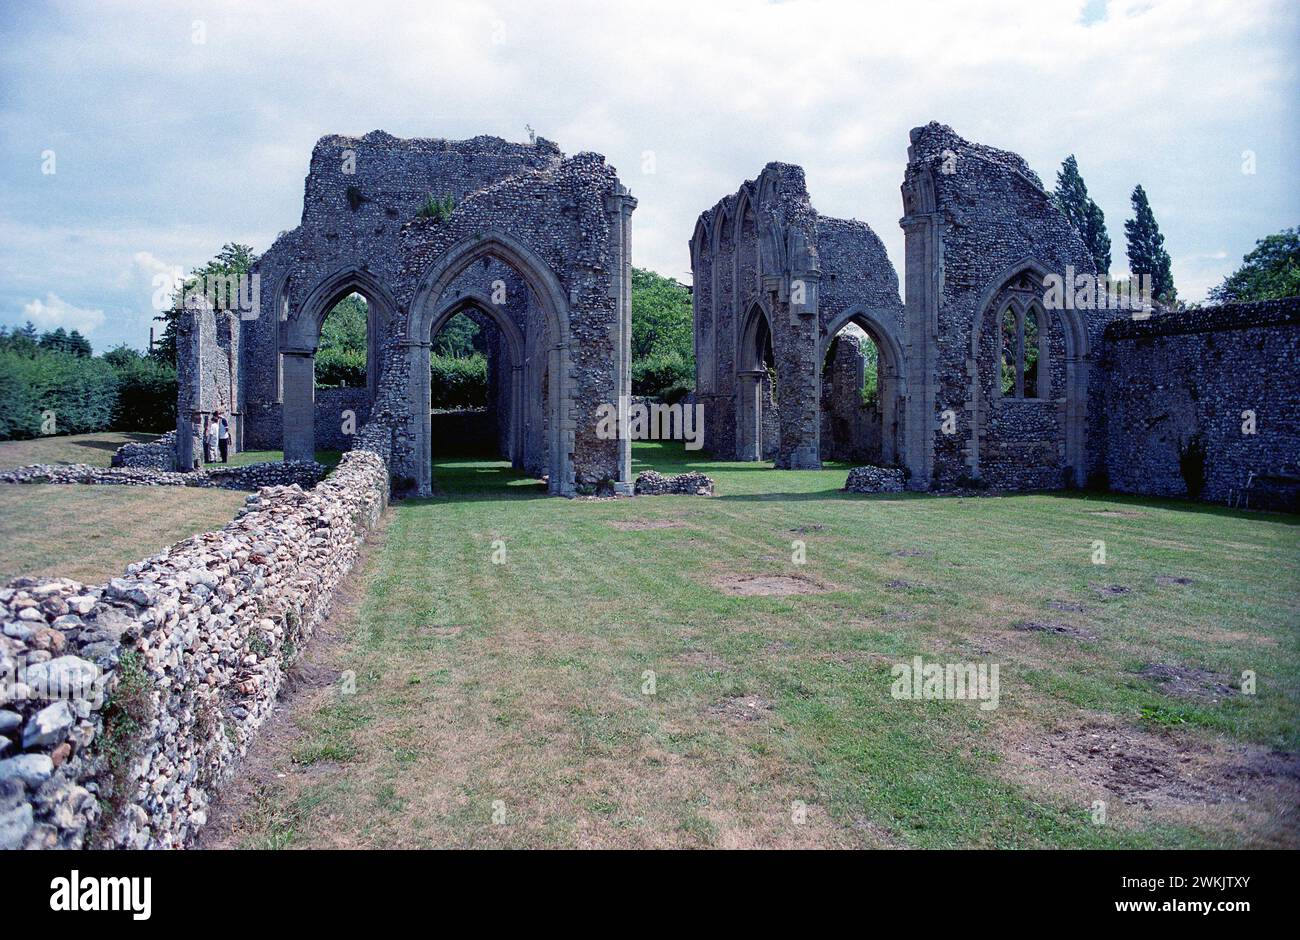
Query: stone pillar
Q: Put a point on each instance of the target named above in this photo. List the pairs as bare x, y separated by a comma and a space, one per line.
619, 208
921, 304
299, 404
419, 391
796, 345
749, 420
516, 448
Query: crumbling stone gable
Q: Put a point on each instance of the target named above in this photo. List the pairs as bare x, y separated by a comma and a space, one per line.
552, 232
759, 259
979, 225
1222, 377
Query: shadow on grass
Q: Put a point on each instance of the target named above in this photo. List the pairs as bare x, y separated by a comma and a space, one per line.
485, 477
479, 478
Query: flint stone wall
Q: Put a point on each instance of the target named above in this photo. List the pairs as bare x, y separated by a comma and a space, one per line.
1193, 373
155, 455
213, 476
875, 480
213, 623
654, 483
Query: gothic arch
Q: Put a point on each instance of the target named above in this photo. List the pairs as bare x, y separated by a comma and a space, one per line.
751, 369
428, 306
299, 335
1075, 392
880, 326
477, 301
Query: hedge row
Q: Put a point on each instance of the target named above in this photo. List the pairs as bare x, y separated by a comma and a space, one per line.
457, 382
61, 393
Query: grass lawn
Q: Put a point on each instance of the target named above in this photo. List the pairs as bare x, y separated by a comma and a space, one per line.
327, 458
91, 533
520, 690
95, 449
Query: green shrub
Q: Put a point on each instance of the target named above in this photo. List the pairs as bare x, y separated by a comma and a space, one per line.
439, 210
146, 397
667, 376
457, 382
341, 368
81, 393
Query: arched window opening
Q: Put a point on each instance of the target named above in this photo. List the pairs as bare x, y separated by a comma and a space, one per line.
852, 399
1023, 344
342, 356
458, 365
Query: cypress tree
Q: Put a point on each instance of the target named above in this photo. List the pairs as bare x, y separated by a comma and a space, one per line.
1146, 249
1071, 197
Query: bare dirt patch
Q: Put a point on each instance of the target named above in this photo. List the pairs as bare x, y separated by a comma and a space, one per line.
443, 632
1105, 591
769, 585
1166, 580
743, 708
643, 525
1115, 513
1186, 682
1152, 770
805, 529
911, 553
899, 584
1053, 626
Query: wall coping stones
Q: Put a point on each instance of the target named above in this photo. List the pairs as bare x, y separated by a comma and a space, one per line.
1242, 316
247, 477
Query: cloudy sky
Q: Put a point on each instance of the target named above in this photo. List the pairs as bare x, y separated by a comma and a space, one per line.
176, 127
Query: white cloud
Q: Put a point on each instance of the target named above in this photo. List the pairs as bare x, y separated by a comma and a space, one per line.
168, 149
54, 312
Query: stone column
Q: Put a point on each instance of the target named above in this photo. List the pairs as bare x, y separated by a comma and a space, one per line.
921, 303
419, 391
516, 451
796, 345
749, 422
299, 404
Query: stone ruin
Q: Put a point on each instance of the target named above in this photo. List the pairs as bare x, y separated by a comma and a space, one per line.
528, 242
978, 382
193, 645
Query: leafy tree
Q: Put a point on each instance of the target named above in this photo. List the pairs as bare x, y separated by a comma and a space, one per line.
1146, 249
341, 355
23, 340
232, 259
1071, 197
663, 335
1270, 271
122, 357
460, 338
661, 316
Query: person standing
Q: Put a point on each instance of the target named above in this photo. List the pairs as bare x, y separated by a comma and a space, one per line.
223, 436
210, 440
